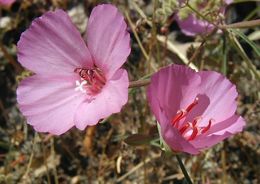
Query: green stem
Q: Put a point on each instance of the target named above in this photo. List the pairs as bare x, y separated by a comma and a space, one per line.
241, 25
184, 171
136, 36
225, 52
139, 83
242, 53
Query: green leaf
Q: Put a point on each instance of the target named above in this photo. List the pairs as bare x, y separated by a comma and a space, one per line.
139, 139
233, 40
255, 47
163, 144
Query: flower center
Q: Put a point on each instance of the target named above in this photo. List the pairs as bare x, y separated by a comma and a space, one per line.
189, 130
92, 80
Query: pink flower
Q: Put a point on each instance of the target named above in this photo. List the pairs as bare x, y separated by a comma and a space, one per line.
193, 25
6, 2
75, 83
195, 110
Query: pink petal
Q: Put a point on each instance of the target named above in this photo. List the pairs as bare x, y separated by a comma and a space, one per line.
217, 98
233, 125
219, 132
192, 26
173, 89
222, 94
6, 2
174, 139
228, 1
107, 38
153, 100
165, 96
209, 141
110, 100
49, 103
52, 44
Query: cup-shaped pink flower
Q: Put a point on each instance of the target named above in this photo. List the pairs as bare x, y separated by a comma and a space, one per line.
76, 82
195, 110
193, 24
6, 2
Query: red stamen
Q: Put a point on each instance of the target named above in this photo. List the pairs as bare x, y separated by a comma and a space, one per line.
184, 128
94, 78
194, 103
88, 79
180, 114
204, 130
99, 76
195, 121
77, 70
194, 133
193, 126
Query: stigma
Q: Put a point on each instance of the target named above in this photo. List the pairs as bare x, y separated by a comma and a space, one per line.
190, 130
92, 80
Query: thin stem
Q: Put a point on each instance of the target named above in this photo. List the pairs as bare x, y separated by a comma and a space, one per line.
45, 162
139, 83
55, 169
242, 53
135, 168
25, 176
136, 36
184, 171
193, 57
10, 59
225, 52
252, 14
243, 1
171, 47
240, 25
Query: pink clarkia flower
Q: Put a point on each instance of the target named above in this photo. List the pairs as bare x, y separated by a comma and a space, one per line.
194, 25
75, 83
195, 110
6, 2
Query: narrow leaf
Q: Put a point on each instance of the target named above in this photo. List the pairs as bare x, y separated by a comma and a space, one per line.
138, 139
255, 47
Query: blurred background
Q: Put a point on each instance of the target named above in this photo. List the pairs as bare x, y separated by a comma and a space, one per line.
99, 154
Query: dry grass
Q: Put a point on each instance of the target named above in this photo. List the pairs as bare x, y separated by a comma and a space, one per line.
99, 154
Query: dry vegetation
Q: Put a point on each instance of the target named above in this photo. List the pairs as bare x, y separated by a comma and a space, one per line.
99, 154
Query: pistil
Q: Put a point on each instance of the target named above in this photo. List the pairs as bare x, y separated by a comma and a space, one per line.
94, 79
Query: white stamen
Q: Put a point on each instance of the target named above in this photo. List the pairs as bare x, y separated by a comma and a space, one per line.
80, 86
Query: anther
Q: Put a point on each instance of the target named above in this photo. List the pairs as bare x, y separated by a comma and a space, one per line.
194, 133
195, 121
204, 130
189, 130
184, 128
180, 114
99, 76
194, 103
94, 79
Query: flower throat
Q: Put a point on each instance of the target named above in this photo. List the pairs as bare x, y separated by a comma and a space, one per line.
93, 80
189, 130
